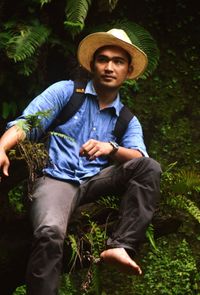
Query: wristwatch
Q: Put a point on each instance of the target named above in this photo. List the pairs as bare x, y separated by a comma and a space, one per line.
115, 147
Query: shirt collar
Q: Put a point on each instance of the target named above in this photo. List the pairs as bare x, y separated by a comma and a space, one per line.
116, 104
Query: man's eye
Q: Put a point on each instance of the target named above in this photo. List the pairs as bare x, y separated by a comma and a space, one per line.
101, 59
119, 62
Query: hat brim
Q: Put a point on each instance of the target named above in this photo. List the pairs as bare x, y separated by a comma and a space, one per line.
92, 42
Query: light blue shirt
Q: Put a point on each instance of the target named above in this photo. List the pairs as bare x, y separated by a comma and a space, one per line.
88, 123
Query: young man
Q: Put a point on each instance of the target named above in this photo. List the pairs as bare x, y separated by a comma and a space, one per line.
79, 172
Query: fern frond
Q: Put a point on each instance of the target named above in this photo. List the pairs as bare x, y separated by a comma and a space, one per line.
33, 120
75, 249
111, 202
107, 5
24, 43
42, 2
62, 135
28, 66
187, 181
4, 39
182, 202
76, 13
96, 284
150, 237
67, 285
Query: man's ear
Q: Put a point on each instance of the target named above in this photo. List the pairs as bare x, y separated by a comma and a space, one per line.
130, 70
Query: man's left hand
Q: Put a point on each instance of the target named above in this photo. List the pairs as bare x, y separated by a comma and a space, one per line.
93, 149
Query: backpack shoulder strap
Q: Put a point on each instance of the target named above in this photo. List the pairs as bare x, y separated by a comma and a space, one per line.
76, 100
73, 105
123, 120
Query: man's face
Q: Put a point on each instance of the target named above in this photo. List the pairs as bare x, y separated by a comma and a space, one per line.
111, 66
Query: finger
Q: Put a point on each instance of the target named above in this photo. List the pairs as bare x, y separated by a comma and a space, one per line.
89, 144
85, 148
82, 152
92, 151
5, 169
95, 155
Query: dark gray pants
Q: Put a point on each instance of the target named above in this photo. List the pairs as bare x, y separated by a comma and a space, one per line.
136, 181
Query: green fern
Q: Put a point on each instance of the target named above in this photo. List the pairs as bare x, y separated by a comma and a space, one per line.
28, 66
62, 135
67, 286
33, 120
24, 43
76, 13
42, 2
150, 237
187, 181
182, 202
111, 202
107, 5
4, 38
75, 245
96, 237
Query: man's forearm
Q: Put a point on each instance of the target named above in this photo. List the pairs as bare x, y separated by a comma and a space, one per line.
11, 137
124, 154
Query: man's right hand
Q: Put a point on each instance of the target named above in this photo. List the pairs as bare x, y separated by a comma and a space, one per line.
4, 162
8, 140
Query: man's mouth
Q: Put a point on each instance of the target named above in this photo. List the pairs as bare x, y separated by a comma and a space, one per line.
108, 77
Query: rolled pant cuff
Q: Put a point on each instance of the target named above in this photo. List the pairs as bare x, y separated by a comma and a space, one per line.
131, 250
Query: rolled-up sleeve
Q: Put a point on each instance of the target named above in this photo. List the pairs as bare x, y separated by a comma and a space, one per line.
133, 137
52, 100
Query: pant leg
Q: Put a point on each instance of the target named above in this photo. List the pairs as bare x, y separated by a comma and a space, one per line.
137, 181
53, 202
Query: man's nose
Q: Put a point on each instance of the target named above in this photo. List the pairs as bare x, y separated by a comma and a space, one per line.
109, 65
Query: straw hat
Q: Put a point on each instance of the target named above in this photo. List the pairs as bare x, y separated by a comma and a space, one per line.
115, 37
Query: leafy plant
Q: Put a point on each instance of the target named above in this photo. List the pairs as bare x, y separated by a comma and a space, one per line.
150, 237
95, 237
182, 202
26, 40
21, 290
179, 189
67, 286
15, 198
34, 154
172, 270
8, 109
76, 13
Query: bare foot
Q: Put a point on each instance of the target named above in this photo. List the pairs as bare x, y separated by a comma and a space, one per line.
120, 258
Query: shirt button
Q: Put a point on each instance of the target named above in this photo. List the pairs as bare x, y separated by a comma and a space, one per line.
94, 128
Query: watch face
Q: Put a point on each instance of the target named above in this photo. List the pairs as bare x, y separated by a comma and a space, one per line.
115, 147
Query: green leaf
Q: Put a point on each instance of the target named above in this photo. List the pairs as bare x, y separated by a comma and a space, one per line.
24, 43
76, 13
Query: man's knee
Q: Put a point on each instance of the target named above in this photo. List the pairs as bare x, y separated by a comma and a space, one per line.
154, 165
145, 163
144, 169
50, 233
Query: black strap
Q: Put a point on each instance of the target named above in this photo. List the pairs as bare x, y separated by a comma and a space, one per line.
74, 104
121, 125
